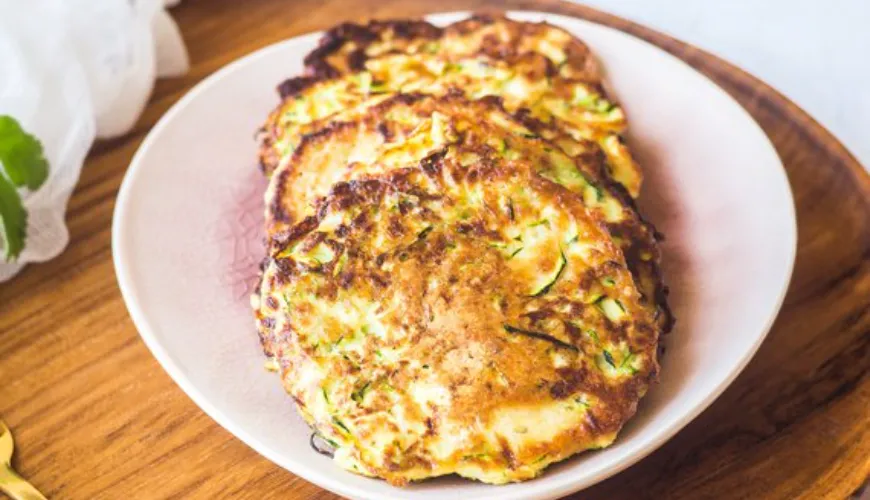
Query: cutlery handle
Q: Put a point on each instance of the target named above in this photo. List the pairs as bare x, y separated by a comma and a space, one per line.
15, 486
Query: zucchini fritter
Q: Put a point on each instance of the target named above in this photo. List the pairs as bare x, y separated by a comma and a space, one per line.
527, 81
345, 48
407, 128
448, 316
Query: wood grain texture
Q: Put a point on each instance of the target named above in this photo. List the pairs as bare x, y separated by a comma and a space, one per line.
95, 416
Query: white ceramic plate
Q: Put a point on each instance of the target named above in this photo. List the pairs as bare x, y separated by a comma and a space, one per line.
187, 239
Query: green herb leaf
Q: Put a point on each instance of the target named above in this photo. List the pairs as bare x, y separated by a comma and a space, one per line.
21, 155
22, 159
13, 219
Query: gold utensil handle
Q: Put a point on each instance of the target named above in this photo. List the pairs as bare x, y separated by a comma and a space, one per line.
16, 487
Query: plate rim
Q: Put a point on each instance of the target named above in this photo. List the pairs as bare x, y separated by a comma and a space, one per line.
550, 489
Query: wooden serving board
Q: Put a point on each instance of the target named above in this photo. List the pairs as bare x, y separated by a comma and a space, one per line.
95, 416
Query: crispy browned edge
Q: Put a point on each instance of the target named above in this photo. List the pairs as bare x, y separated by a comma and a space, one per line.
316, 64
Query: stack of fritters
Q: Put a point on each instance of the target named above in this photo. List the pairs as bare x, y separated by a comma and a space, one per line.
457, 278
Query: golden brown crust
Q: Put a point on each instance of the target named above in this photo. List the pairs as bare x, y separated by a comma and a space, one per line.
343, 48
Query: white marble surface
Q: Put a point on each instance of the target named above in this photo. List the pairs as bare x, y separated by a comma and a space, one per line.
815, 52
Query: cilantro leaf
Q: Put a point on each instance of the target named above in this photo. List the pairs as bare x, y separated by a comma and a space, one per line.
21, 155
22, 159
13, 219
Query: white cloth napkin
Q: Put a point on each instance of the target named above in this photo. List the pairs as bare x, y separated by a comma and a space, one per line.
72, 71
